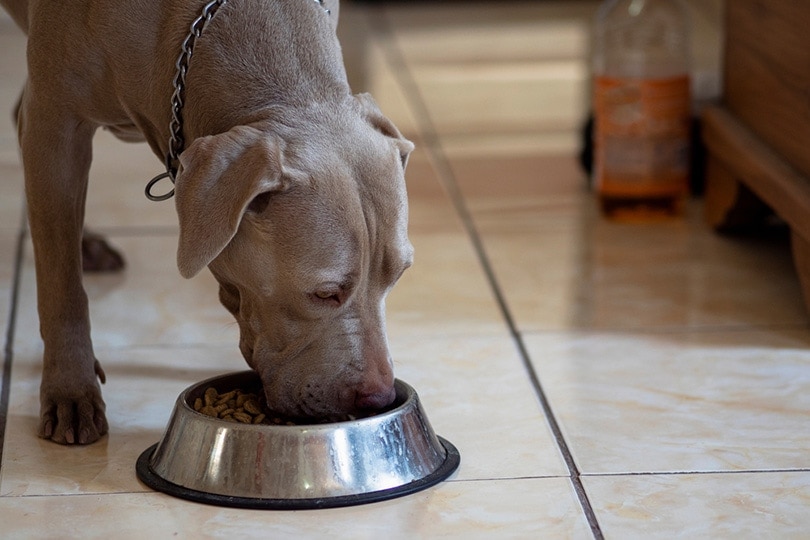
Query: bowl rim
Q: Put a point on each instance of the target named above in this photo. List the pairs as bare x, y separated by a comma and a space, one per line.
409, 398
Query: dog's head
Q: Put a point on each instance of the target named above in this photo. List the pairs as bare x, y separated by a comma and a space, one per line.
305, 229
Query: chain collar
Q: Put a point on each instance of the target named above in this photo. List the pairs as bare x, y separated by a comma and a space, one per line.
176, 141
320, 3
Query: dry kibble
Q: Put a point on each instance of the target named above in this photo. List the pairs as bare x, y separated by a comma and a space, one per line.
210, 396
252, 407
221, 409
208, 410
233, 406
243, 417
239, 406
224, 398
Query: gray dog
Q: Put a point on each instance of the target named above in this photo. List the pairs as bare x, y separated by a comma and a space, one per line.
288, 187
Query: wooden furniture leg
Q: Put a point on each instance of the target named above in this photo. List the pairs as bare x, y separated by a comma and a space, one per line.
729, 205
801, 259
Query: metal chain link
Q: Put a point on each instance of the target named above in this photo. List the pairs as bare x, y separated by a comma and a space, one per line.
320, 2
176, 141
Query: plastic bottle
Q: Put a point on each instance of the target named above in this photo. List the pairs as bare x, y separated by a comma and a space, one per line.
642, 108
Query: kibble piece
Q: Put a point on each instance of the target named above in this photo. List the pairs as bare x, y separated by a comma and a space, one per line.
223, 398
210, 396
259, 418
198, 404
252, 407
208, 410
243, 417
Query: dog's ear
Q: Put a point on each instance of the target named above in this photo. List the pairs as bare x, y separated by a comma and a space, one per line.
219, 177
384, 125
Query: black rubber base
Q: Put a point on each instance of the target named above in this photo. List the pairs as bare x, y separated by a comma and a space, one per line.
151, 479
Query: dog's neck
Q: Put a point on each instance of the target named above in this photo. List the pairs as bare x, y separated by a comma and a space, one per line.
176, 137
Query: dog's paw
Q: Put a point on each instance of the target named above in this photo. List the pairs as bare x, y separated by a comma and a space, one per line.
98, 255
73, 413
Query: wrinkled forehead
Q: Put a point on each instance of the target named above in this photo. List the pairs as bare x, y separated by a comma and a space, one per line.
343, 220
354, 175
376, 206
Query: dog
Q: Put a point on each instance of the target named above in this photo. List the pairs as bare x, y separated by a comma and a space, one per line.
288, 187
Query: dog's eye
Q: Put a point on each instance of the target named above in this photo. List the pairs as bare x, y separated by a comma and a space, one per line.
327, 297
259, 202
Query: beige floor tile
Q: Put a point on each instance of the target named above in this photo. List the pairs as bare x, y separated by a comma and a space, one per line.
522, 508
679, 401
369, 69
560, 265
524, 71
506, 98
757, 505
583, 273
477, 396
146, 304
510, 31
445, 292
517, 80
430, 209
522, 191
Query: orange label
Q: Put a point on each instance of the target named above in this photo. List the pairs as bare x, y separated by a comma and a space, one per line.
641, 137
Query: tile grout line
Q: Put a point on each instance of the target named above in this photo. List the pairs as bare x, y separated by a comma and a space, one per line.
8, 349
413, 95
697, 472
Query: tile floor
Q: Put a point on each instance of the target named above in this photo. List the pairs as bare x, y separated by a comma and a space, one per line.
600, 380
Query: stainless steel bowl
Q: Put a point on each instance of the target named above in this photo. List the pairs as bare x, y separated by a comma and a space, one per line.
213, 461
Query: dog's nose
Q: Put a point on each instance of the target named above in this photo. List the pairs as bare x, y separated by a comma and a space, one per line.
375, 400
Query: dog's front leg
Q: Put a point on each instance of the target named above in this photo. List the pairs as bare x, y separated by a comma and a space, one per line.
56, 150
